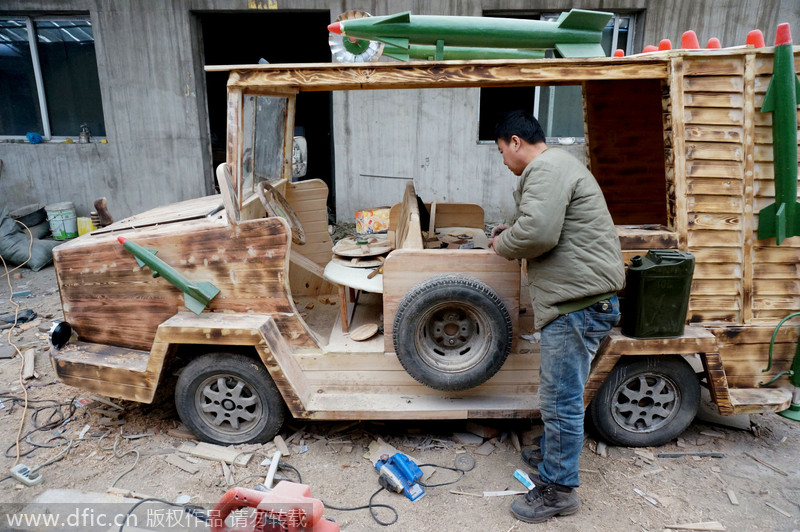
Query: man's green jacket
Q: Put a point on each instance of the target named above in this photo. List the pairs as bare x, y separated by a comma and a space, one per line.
564, 230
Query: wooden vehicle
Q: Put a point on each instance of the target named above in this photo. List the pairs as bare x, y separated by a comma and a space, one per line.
680, 150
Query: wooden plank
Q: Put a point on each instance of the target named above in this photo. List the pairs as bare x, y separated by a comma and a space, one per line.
717, 255
717, 381
714, 238
747, 226
694, 340
725, 304
714, 151
713, 115
756, 400
713, 287
715, 186
680, 157
721, 169
714, 204
344, 76
754, 334
283, 368
769, 270
216, 453
713, 133
704, 270
646, 237
714, 84
713, 66
711, 99
730, 222
776, 287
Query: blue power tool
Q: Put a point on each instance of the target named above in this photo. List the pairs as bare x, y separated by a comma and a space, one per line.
398, 473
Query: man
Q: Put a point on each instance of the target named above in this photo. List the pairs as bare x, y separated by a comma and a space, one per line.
575, 267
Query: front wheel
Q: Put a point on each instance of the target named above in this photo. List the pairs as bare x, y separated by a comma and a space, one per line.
228, 399
646, 401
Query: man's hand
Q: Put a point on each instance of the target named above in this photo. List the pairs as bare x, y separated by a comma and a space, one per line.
499, 229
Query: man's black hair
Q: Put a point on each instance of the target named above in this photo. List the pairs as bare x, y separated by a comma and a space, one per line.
522, 124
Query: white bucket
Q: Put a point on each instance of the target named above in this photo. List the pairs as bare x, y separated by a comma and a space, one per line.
63, 221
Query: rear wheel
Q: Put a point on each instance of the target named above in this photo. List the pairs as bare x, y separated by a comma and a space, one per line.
646, 401
228, 399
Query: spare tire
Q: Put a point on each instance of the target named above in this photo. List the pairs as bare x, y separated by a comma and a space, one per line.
452, 332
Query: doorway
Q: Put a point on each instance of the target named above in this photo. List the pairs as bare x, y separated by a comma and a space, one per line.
277, 37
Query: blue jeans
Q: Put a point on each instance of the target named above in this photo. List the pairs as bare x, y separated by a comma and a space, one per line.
568, 345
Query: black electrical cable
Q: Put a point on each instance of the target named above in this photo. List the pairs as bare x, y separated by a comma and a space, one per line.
56, 418
396, 515
443, 483
197, 511
371, 507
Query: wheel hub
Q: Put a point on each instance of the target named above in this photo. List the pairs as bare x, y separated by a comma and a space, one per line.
452, 337
227, 403
646, 402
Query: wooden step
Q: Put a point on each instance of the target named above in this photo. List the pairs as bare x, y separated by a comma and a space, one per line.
401, 406
107, 370
757, 400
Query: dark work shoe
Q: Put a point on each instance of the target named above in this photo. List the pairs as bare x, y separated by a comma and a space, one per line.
532, 457
542, 503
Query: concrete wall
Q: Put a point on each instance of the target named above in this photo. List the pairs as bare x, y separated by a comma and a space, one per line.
152, 83
153, 94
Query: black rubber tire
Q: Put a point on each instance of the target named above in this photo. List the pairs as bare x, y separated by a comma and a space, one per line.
646, 401
248, 391
452, 332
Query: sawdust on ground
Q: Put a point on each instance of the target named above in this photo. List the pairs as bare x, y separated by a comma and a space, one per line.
622, 488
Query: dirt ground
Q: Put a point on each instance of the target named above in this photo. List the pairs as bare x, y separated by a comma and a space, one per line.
753, 486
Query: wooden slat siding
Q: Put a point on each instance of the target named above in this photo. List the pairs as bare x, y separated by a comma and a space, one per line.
669, 157
450, 74
110, 300
714, 130
717, 382
628, 158
406, 268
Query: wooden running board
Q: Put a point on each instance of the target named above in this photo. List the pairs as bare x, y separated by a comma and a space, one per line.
757, 400
107, 370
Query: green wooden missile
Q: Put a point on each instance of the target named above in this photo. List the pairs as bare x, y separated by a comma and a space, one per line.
575, 34
197, 296
462, 53
782, 218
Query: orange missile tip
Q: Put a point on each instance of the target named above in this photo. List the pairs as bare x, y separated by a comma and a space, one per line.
649, 48
784, 35
664, 45
756, 38
336, 28
713, 42
619, 52
122, 239
689, 40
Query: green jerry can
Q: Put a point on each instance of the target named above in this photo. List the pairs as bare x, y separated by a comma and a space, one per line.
657, 294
